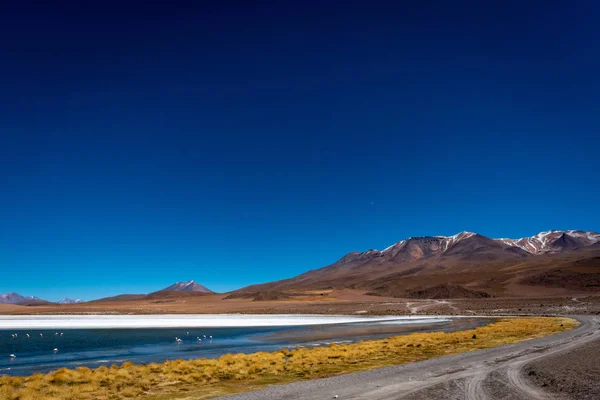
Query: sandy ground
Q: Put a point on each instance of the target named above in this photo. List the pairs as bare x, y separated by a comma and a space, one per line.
495, 373
337, 302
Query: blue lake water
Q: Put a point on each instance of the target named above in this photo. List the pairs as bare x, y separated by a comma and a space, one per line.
93, 347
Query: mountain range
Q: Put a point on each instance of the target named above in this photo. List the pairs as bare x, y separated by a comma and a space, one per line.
189, 287
67, 300
463, 265
541, 264
16, 298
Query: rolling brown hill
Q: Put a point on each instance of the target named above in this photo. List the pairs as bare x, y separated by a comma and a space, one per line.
189, 286
15, 298
549, 263
176, 290
121, 297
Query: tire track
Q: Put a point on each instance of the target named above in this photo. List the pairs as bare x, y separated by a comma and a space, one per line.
516, 381
494, 373
474, 389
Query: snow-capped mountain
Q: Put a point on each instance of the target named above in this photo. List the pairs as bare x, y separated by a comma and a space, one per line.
189, 286
467, 258
16, 298
469, 246
67, 300
554, 241
543, 242
425, 245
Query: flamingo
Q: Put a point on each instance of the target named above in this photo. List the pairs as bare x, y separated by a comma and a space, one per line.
41, 335
27, 334
61, 334
12, 356
55, 350
177, 339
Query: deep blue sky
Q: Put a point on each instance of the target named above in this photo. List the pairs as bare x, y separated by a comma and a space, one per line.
234, 144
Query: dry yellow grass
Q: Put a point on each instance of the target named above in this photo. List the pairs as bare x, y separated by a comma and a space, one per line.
205, 378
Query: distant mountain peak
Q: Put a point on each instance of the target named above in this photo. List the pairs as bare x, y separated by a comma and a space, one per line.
67, 300
189, 286
16, 298
448, 241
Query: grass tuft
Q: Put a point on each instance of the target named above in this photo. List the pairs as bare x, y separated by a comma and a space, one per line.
231, 373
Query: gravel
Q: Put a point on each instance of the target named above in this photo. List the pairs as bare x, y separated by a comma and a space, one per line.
574, 375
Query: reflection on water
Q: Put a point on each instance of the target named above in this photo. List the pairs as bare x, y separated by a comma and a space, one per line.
35, 349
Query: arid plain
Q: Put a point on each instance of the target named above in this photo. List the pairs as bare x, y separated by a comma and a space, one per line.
343, 301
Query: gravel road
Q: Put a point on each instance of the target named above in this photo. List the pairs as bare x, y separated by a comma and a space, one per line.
495, 373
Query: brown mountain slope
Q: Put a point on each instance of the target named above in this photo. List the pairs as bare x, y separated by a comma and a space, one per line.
177, 290
447, 291
189, 286
121, 297
481, 248
473, 262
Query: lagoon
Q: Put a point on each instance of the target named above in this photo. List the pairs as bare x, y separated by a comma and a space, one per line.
95, 340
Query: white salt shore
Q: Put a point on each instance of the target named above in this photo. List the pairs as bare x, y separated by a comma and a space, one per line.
193, 321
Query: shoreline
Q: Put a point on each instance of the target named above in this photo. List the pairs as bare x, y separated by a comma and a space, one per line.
241, 372
525, 369
92, 347
43, 322
348, 331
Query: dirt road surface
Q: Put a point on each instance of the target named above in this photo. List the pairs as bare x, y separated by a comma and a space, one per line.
495, 373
